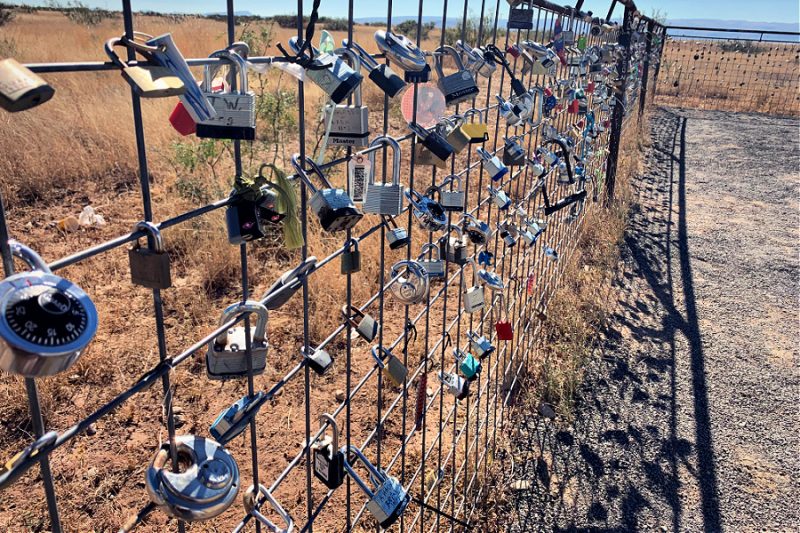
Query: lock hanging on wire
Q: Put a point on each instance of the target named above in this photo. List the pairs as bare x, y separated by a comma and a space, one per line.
387, 497
455, 247
481, 345
504, 329
427, 211
227, 356
493, 165
431, 148
384, 198
454, 384
351, 257
232, 421
349, 124
20, 88
333, 207
380, 74
478, 131
474, 296
249, 499
235, 116
331, 74
467, 364
319, 360
399, 49
396, 236
435, 265
411, 282
477, 230
395, 369
457, 87
453, 198
146, 82
150, 266
328, 458
366, 327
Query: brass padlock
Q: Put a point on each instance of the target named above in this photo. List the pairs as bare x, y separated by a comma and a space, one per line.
21, 89
366, 327
395, 370
146, 82
478, 131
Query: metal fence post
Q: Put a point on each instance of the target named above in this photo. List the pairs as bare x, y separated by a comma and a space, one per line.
646, 68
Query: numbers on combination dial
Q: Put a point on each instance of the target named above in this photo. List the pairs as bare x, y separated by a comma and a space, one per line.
46, 316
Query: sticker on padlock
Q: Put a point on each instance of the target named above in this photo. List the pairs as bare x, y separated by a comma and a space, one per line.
387, 497
320, 360
150, 266
232, 421
351, 257
399, 49
227, 355
474, 296
394, 368
348, 124
330, 73
455, 247
427, 211
396, 236
469, 367
457, 87
480, 345
435, 265
328, 458
366, 326
359, 170
60, 319
20, 88
146, 82
250, 498
380, 74
235, 110
411, 281
454, 384
384, 198
505, 331
205, 487
333, 207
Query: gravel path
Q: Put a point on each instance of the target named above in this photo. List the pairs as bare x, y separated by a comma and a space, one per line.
688, 419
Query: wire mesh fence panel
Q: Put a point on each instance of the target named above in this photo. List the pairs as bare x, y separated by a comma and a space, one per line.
404, 337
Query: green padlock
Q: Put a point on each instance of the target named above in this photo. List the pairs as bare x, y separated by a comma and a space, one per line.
582, 43
467, 364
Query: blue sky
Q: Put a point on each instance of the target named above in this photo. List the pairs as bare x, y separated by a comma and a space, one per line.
767, 10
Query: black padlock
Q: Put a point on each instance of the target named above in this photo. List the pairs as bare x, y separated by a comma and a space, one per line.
328, 458
380, 74
520, 18
150, 266
351, 257
243, 220
434, 142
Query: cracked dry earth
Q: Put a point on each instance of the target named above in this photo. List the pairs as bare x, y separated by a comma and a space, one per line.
688, 416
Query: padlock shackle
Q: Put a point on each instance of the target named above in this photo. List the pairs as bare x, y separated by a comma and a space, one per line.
314, 168
152, 230
401, 50
452, 179
374, 352
395, 146
31, 258
390, 222
459, 354
374, 473
486, 156
349, 313
367, 61
355, 64
237, 62
439, 54
327, 418
411, 194
250, 306
418, 130
430, 246
249, 500
475, 279
472, 111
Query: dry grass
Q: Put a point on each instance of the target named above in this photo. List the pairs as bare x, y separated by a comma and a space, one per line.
756, 77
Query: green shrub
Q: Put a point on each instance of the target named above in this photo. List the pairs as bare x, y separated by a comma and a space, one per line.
409, 29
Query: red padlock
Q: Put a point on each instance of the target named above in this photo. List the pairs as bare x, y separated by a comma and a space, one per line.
548, 91
580, 124
503, 328
531, 283
573, 107
513, 50
590, 87
606, 123
182, 121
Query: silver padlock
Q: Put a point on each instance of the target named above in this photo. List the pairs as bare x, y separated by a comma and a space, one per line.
235, 110
411, 281
491, 280
455, 247
150, 267
395, 370
384, 198
319, 360
455, 384
334, 207
480, 345
501, 199
249, 500
387, 497
226, 357
478, 231
493, 165
428, 212
451, 196
337, 79
399, 49
475, 61
206, 486
433, 266
504, 231
457, 87
349, 125
396, 236
366, 327
46, 321
473, 296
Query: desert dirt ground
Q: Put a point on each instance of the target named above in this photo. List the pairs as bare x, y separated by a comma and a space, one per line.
687, 419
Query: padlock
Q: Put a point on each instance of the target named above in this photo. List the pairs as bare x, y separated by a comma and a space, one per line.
520, 18
396, 236
330, 73
333, 207
491, 280
435, 265
204, 488
528, 236
366, 327
493, 165
146, 82
501, 199
150, 266
235, 110
387, 497
384, 198
546, 155
451, 196
351, 257
21, 89
485, 258
506, 110
349, 124
455, 247
288, 284
233, 420
395, 370
513, 152
457, 87
380, 74
480, 345
434, 150
328, 458
450, 129
410, 281
400, 49
550, 253
475, 61
505, 332
320, 360
473, 296
478, 131
505, 233
249, 500
455, 384
253, 205
467, 364
430, 215
46, 320
227, 356
478, 231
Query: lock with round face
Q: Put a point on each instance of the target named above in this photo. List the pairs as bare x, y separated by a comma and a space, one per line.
204, 489
401, 50
46, 321
411, 281
478, 231
428, 212
384, 198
